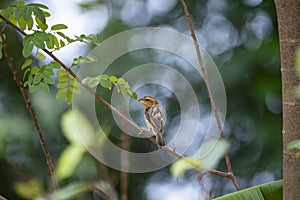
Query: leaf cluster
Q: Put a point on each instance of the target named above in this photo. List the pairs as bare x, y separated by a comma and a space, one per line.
38, 78
108, 82
33, 18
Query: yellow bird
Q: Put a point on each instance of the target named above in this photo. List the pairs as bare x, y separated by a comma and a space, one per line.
154, 117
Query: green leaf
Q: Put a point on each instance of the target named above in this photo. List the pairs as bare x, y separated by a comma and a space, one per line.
55, 65
134, 95
69, 160
49, 80
62, 85
298, 61
272, 190
44, 86
92, 82
41, 25
40, 56
27, 47
113, 79
123, 91
26, 64
22, 23
61, 72
25, 73
37, 78
69, 97
33, 88
29, 189
38, 5
35, 70
61, 34
63, 79
58, 27
105, 83
295, 144
30, 23
62, 93
73, 190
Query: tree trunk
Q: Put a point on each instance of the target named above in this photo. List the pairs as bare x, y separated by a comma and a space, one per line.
288, 15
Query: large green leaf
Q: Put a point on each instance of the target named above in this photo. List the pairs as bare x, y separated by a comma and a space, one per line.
267, 191
69, 160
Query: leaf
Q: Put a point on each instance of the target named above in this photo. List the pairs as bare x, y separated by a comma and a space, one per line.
26, 64
61, 94
295, 144
37, 78
49, 80
40, 56
62, 85
298, 61
27, 47
38, 5
92, 82
113, 79
123, 91
33, 88
54, 65
61, 34
74, 190
41, 25
61, 72
134, 95
35, 70
22, 23
272, 190
58, 27
69, 160
29, 189
44, 86
105, 83
76, 127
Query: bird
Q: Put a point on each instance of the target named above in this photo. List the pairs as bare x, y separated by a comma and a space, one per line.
154, 117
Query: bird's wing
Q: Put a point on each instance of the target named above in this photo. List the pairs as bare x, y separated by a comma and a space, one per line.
156, 117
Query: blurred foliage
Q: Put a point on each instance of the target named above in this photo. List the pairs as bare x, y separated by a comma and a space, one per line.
242, 38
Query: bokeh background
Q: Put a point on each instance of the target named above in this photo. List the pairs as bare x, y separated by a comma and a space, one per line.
242, 38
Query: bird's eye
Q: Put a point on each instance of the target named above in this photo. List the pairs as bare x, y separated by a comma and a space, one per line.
147, 99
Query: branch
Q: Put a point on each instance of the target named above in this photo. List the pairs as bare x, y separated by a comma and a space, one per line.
30, 109
214, 108
117, 112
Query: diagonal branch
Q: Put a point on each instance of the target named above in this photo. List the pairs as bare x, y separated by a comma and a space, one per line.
30, 109
117, 112
213, 105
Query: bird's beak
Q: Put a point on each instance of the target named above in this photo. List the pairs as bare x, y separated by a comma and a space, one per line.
141, 100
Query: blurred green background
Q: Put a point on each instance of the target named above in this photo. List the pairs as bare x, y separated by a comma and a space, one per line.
242, 38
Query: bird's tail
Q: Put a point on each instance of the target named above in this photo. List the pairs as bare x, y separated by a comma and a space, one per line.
160, 139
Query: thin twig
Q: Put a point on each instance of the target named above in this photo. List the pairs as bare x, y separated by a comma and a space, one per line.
117, 112
30, 109
214, 108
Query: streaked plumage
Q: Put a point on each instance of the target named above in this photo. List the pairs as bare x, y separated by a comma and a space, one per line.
154, 117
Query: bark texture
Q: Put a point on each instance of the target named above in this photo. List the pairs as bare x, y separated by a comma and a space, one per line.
288, 15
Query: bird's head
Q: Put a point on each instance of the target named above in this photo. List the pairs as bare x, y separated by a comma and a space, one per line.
148, 101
